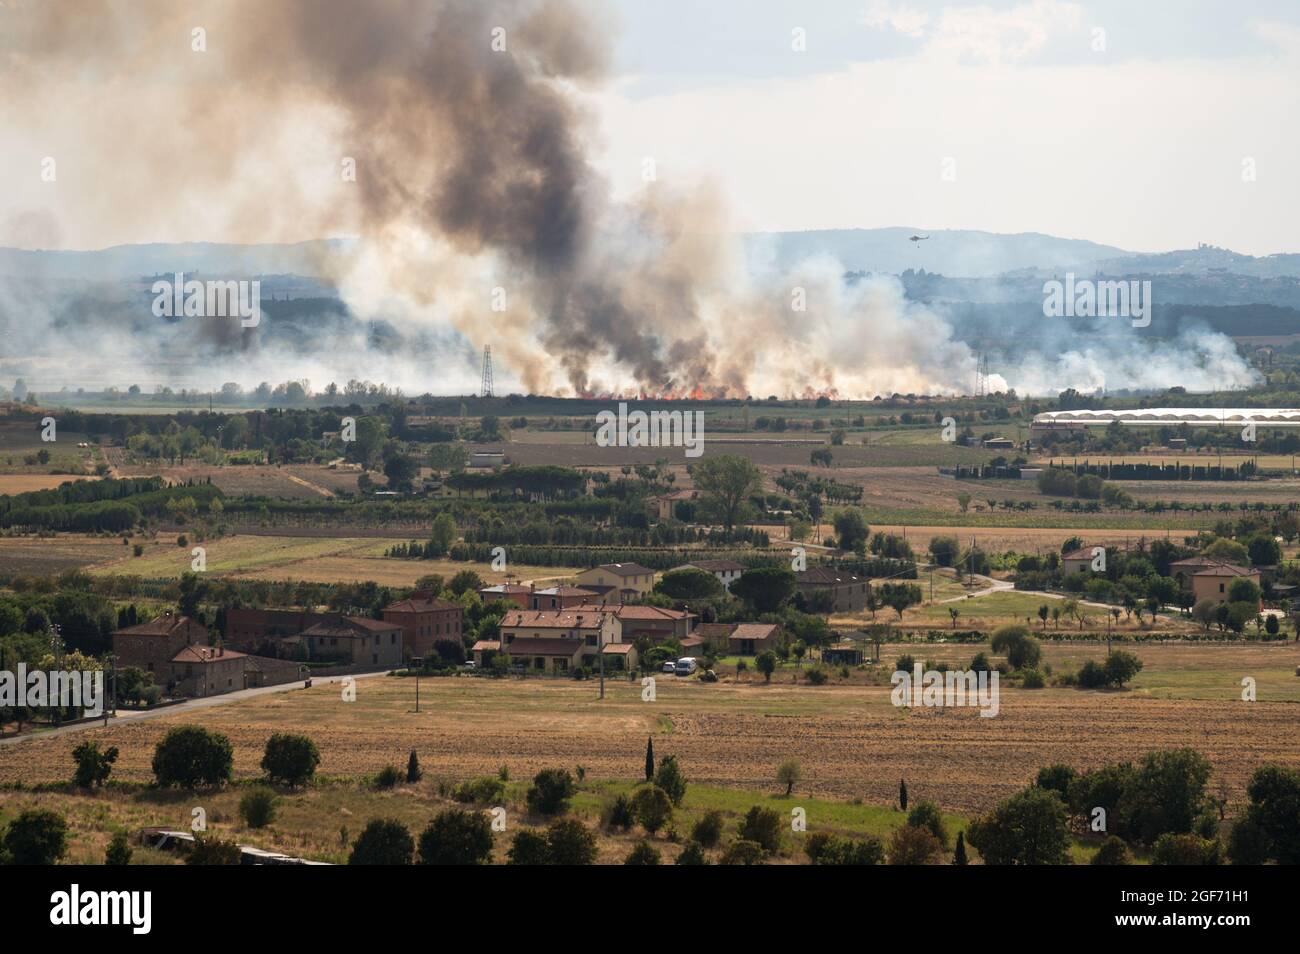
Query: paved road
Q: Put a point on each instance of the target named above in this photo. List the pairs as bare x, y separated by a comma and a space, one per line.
124, 716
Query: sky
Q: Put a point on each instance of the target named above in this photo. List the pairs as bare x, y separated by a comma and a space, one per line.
1147, 125
1150, 126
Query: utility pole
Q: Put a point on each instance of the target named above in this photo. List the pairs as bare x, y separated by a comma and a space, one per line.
601, 653
417, 691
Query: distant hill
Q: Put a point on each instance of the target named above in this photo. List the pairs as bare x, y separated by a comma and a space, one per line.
955, 252
132, 262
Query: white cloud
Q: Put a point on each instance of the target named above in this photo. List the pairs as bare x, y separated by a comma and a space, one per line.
901, 19
979, 34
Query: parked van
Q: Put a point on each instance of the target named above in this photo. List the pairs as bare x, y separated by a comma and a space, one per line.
686, 665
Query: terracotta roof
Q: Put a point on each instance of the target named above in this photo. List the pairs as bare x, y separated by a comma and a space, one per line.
545, 645
623, 569
628, 611
421, 605
485, 644
1083, 553
753, 631
205, 654
714, 630
1226, 569
506, 588
618, 649
571, 618
350, 626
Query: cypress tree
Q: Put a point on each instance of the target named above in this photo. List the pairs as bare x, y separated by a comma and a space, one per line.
413, 773
959, 856
902, 796
649, 758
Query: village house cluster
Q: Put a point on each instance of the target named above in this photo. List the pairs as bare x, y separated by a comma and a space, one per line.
555, 630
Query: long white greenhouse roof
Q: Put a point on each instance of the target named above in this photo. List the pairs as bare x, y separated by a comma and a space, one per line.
1267, 416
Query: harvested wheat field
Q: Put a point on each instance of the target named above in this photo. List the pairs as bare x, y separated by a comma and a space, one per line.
850, 740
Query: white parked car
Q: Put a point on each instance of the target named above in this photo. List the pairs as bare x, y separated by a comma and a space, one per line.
669, 667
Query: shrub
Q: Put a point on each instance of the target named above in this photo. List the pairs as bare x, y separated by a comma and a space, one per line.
211, 850
36, 837
1165, 795
570, 842
1273, 814
788, 773
742, 852
1113, 851
816, 676
528, 847
383, 842
387, 777
826, 849
762, 826
652, 807
905, 663
479, 791
643, 854
708, 829
119, 850
189, 756
1171, 849
618, 813
257, 807
1029, 828
1022, 650
550, 792
93, 766
1248, 844
926, 815
671, 780
1092, 675
692, 854
913, 846
1032, 679
290, 759
1120, 667
1055, 778
456, 837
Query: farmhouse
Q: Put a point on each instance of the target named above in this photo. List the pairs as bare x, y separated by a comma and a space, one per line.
562, 597
424, 620
664, 507
1076, 561
1213, 583
627, 581
555, 640
848, 593
654, 624
248, 629
750, 639
175, 649
519, 593
726, 571
354, 640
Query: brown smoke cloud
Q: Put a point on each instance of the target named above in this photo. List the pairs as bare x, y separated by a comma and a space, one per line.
471, 144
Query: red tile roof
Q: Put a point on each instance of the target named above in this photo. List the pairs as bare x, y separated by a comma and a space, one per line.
421, 605
205, 654
572, 618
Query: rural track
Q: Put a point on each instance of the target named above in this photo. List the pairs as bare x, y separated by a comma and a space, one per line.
205, 702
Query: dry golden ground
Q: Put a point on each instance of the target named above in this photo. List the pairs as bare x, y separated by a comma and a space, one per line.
851, 741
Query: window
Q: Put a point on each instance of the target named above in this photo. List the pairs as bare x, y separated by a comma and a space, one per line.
374, 657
